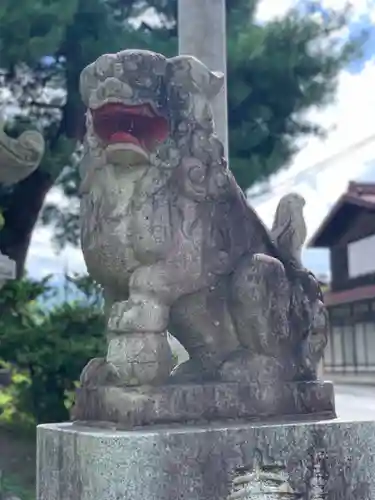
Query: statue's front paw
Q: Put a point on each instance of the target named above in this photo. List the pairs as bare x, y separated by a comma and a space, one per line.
98, 372
145, 315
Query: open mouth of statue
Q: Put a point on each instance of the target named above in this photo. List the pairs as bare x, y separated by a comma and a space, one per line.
134, 125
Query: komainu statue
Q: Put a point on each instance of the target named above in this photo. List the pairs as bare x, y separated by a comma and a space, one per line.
18, 159
169, 235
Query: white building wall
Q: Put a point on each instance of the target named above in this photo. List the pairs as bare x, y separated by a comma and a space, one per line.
361, 257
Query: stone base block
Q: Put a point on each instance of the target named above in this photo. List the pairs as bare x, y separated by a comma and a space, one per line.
127, 407
331, 460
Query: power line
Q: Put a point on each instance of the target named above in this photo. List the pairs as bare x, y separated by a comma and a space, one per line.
316, 168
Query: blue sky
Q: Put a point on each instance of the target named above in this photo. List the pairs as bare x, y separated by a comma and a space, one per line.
369, 48
350, 119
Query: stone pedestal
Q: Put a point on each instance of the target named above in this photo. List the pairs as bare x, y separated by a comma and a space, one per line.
217, 401
322, 460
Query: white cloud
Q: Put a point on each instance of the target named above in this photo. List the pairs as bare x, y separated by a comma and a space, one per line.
43, 258
271, 9
360, 8
351, 118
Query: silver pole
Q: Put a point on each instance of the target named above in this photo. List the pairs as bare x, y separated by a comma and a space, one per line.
202, 33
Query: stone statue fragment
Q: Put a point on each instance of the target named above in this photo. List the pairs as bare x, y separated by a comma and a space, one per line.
18, 159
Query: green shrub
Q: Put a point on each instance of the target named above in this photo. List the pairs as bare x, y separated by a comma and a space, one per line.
46, 348
12, 485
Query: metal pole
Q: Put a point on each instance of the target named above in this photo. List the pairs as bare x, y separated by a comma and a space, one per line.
202, 33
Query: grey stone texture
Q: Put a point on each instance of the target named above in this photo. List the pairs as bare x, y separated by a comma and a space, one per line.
19, 157
169, 235
311, 461
203, 402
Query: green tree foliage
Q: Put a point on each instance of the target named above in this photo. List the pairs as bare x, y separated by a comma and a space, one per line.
44, 45
275, 73
47, 347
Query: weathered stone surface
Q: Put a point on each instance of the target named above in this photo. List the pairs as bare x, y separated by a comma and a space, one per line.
19, 157
169, 235
200, 402
311, 461
137, 358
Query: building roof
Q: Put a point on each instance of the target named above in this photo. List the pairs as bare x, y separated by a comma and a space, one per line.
359, 197
332, 298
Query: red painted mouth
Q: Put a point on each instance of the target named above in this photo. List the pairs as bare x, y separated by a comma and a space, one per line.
116, 123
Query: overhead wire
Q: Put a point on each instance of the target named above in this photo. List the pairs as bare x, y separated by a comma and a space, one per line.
305, 174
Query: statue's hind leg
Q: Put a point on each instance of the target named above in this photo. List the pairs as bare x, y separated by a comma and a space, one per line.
260, 305
201, 322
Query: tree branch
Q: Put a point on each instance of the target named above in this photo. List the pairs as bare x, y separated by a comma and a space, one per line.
46, 105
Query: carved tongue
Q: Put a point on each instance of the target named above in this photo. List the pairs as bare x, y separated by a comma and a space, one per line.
124, 149
123, 137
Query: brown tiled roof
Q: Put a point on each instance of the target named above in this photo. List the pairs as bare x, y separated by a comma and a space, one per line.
361, 187
363, 191
359, 194
348, 296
